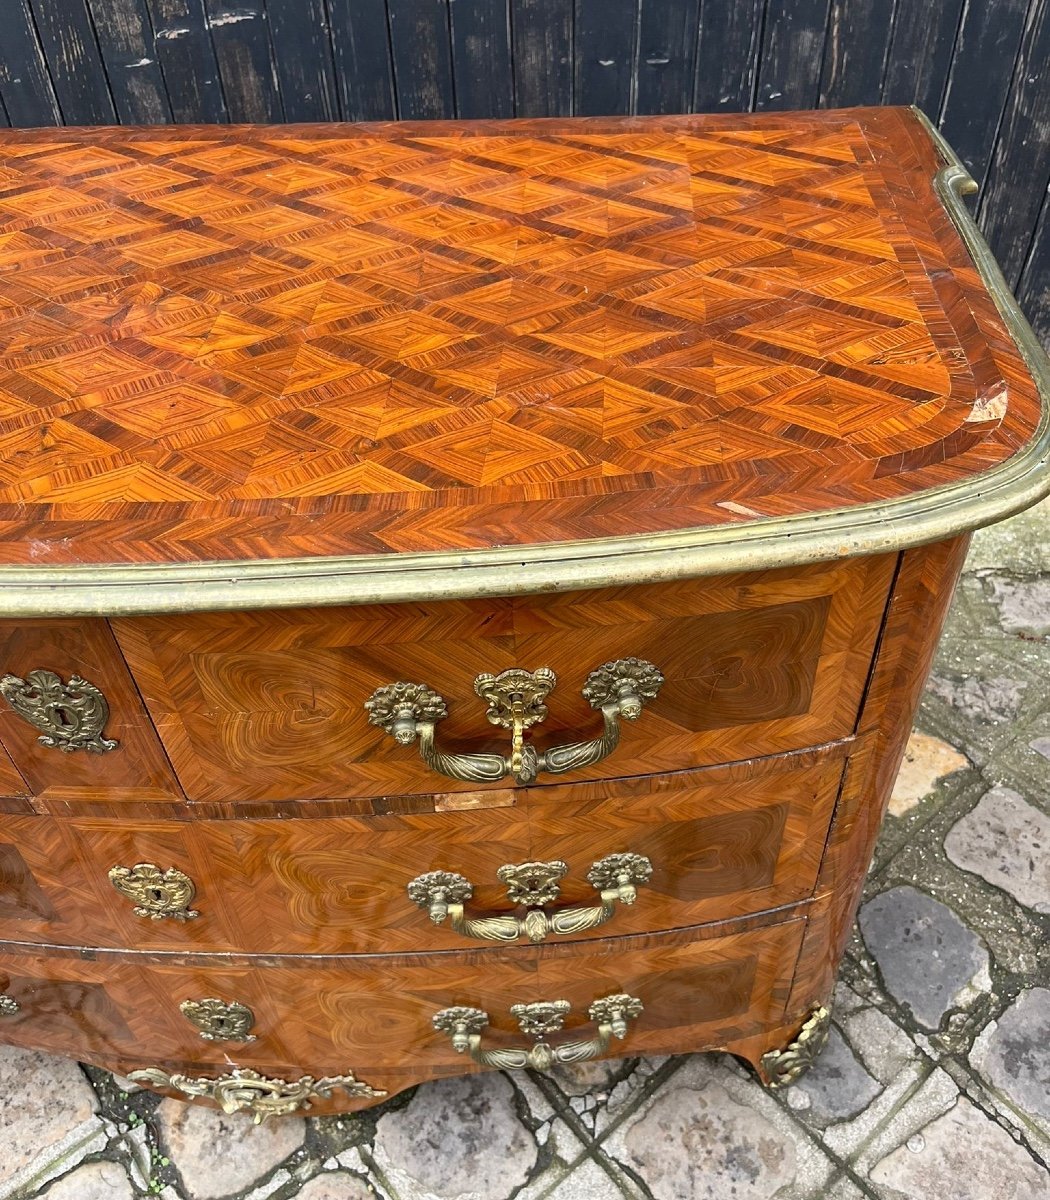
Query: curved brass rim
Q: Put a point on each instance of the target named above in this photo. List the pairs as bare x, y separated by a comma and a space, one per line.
928, 516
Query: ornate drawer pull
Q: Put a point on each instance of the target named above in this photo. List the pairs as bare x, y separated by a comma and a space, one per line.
71, 716
533, 885
515, 697
248, 1091
220, 1020
9, 1006
611, 1013
155, 893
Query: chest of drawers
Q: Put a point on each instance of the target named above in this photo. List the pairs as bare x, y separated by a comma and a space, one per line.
465, 588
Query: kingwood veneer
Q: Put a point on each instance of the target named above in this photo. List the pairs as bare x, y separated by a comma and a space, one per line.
323, 449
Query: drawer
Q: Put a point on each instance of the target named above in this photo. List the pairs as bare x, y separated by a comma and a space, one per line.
271, 705
68, 738
720, 842
374, 1015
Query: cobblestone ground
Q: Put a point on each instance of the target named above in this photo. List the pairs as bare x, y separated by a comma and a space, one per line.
935, 1084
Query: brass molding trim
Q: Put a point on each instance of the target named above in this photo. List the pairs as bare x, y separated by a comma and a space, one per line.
70, 716
927, 516
515, 699
533, 885
783, 1067
611, 1014
155, 893
244, 1090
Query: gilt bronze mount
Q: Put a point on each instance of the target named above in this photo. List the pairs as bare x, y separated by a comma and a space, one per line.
220, 1020
515, 699
787, 1065
70, 716
155, 893
244, 1090
611, 1014
533, 885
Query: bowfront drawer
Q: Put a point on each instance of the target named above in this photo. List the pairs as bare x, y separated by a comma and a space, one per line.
272, 705
552, 864
71, 719
387, 1016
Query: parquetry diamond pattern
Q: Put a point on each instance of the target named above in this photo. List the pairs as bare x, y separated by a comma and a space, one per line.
366, 339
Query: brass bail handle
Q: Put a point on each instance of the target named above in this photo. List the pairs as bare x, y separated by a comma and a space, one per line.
612, 1015
532, 886
516, 701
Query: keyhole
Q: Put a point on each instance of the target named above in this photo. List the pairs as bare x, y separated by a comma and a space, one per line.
157, 896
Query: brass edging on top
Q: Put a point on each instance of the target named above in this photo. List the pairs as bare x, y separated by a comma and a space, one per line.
927, 516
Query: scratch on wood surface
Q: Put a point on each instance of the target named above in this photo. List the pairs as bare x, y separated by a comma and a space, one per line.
170, 34
990, 408
231, 18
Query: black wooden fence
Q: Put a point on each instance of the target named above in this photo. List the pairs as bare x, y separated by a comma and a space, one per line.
980, 68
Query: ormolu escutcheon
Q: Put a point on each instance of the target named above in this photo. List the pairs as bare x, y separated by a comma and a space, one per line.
515, 698
611, 1014
155, 893
70, 716
220, 1020
532, 885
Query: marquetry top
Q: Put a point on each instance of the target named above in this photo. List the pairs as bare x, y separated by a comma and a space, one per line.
349, 343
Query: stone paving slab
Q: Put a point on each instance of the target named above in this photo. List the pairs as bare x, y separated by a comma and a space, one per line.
935, 1082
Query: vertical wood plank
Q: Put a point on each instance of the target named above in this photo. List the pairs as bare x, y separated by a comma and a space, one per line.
303, 59
481, 62
727, 56
363, 68
542, 32
125, 39
1012, 198
792, 54
422, 52
242, 49
982, 67
187, 60
1033, 292
667, 45
855, 52
920, 54
25, 87
604, 53
67, 39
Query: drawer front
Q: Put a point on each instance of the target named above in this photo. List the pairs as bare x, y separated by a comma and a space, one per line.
374, 1016
719, 842
271, 705
71, 719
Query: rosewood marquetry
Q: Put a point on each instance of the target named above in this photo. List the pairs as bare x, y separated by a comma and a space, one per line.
263, 705
374, 1014
255, 343
724, 842
325, 449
